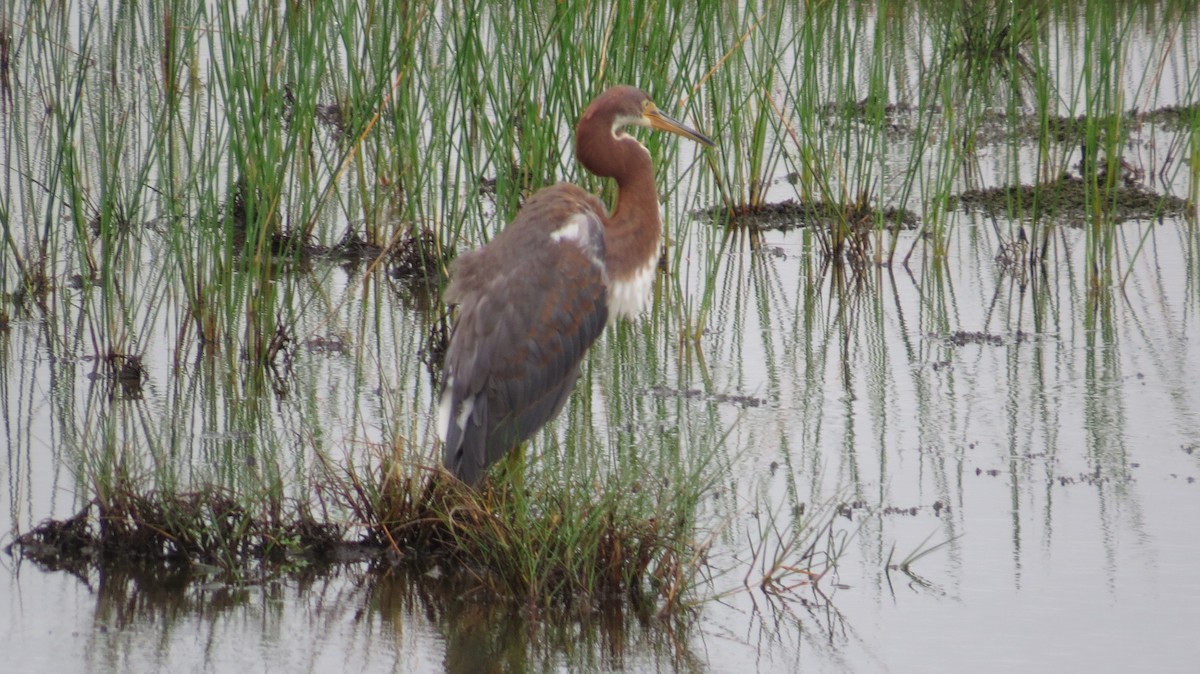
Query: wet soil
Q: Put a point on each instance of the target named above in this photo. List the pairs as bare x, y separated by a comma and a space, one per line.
860, 508
417, 257
697, 394
788, 215
409, 255
903, 121
427, 524
1070, 200
205, 527
966, 337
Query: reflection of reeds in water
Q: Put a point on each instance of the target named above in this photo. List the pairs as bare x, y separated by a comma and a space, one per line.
200, 203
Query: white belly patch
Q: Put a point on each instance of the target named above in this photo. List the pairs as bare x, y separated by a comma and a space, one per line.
629, 297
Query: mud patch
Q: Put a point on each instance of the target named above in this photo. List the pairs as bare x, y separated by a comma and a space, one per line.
788, 215
59, 544
1001, 128
965, 337
1070, 200
697, 394
1172, 116
410, 256
1093, 479
353, 247
205, 527
417, 257
902, 121
848, 509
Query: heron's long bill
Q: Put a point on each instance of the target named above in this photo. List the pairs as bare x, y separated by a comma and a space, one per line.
664, 122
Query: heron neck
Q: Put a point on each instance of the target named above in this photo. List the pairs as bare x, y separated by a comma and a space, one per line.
631, 237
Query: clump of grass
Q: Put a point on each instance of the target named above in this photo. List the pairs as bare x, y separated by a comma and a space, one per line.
537, 542
752, 145
542, 544
791, 552
990, 45
905, 565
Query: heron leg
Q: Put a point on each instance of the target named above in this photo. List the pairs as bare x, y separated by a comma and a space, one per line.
512, 469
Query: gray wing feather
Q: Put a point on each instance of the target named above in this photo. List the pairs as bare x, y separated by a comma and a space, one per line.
523, 328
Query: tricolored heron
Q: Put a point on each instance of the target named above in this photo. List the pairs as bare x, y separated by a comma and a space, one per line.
533, 300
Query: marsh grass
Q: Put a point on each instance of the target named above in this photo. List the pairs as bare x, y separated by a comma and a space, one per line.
545, 531
989, 46
199, 200
542, 545
905, 565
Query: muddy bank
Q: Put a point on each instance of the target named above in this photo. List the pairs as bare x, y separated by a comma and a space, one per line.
1071, 200
199, 529
791, 214
903, 121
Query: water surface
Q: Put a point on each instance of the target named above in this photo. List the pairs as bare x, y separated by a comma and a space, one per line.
1039, 440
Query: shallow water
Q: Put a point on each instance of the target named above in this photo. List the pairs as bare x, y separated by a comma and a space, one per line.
1065, 456
1039, 442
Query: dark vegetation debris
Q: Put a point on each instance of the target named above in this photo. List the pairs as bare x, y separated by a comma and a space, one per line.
207, 526
330, 344
697, 394
847, 510
417, 257
433, 351
965, 337
126, 371
423, 522
1068, 199
354, 246
788, 215
1092, 478
906, 121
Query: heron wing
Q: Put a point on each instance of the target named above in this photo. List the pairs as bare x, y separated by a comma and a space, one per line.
531, 303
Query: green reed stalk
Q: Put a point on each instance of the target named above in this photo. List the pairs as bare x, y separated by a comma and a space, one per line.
1104, 136
1191, 131
1051, 157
